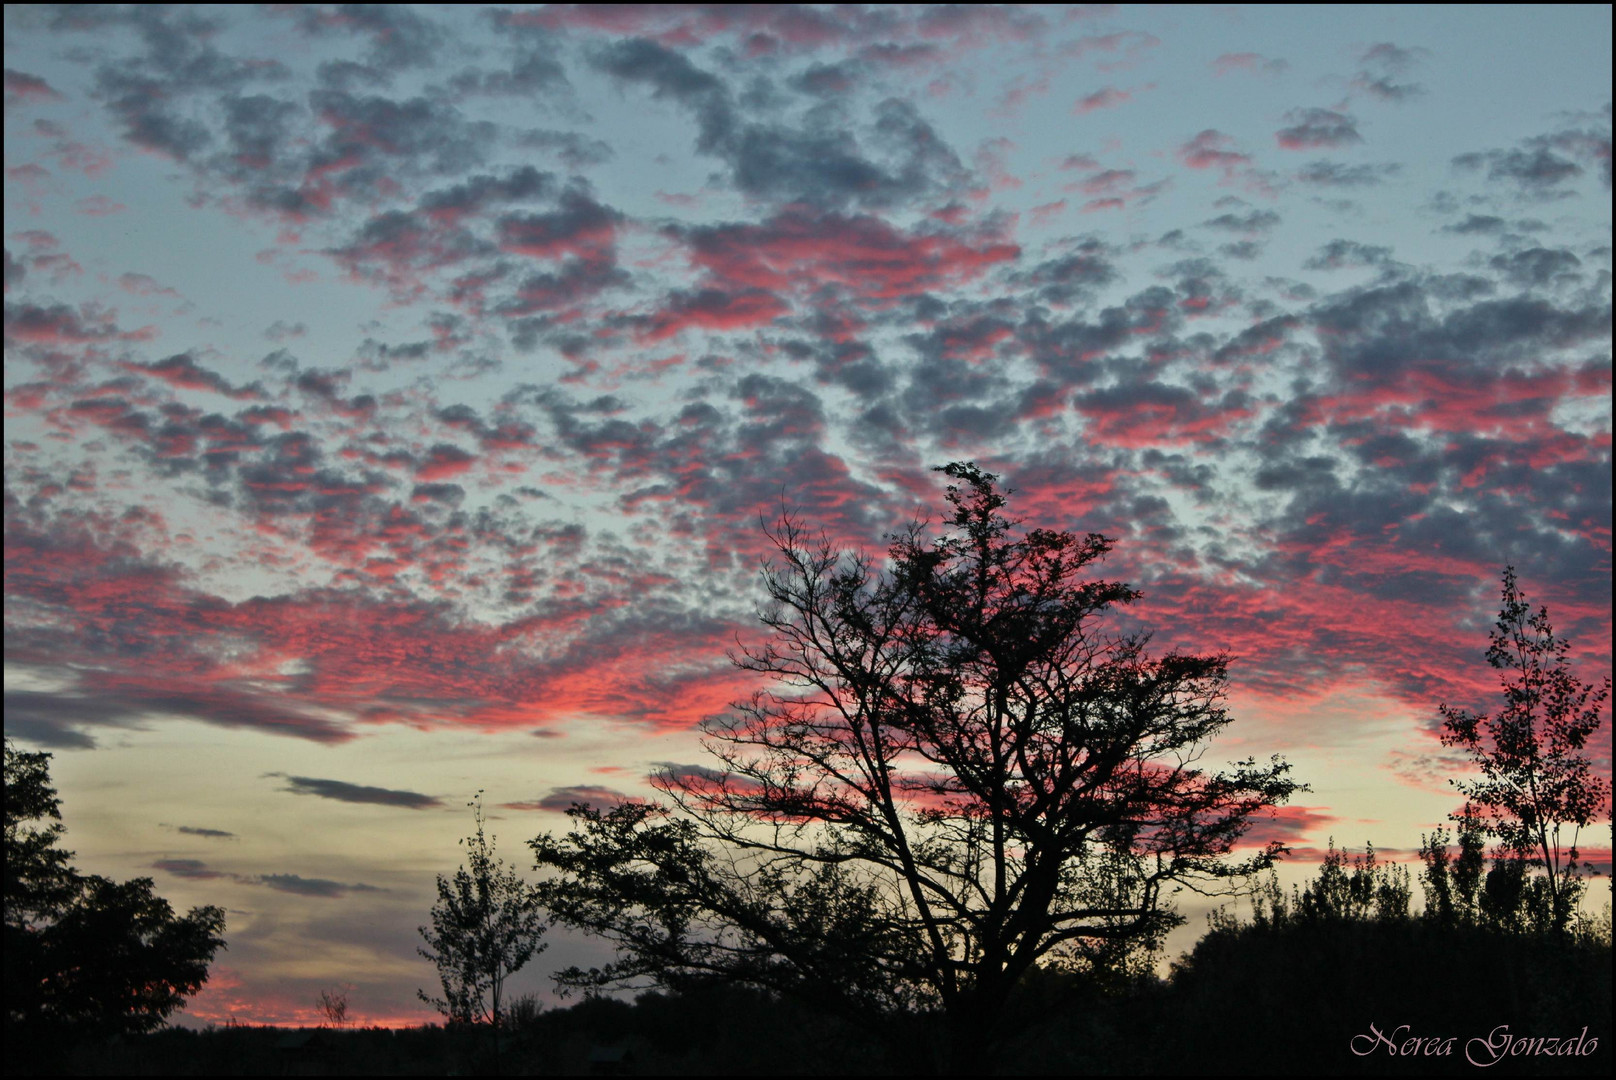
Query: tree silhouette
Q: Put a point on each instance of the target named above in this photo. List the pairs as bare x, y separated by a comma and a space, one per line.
956, 776
333, 1005
1536, 781
486, 926
1452, 884
82, 950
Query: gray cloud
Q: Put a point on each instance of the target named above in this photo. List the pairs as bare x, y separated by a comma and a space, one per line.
195, 869
1385, 63
561, 799
358, 793
317, 887
1313, 129
1339, 174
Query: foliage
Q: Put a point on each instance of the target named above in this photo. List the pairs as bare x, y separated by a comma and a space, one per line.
1452, 883
1371, 891
957, 775
1378, 891
486, 926
1536, 779
39, 879
1289, 998
523, 1012
1460, 891
83, 950
1288, 989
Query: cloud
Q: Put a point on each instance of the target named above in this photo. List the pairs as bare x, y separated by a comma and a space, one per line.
1339, 174
1212, 149
1538, 267
1313, 129
54, 720
321, 888
23, 88
1254, 221
64, 325
1209, 150
1382, 65
183, 372
358, 793
800, 250
295, 884
1253, 63
443, 461
1477, 223
1105, 98
1341, 254
819, 161
1542, 166
118, 700
1287, 824
211, 834
673, 770
1538, 171
575, 151
561, 799
194, 869
713, 309
1129, 45
399, 37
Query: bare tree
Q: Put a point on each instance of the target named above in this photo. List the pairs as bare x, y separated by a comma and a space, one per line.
956, 776
333, 1005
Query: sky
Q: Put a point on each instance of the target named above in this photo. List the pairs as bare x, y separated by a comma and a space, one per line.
393, 396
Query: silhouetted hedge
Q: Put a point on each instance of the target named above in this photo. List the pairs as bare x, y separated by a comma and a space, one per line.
1293, 991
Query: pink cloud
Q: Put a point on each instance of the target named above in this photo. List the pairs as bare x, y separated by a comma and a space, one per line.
1104, 98
1211, 150
99, 206
799, 249
25, 89
1253, 63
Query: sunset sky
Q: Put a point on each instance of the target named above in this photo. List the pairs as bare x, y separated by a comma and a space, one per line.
393, 394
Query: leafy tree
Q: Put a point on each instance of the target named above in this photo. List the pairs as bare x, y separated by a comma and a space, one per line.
1536, 782
84, 950
39, 879
956, 777
485, 927
1371, 891
1452, 883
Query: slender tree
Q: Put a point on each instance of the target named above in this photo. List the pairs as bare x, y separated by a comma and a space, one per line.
1537, 790
1453, 883
956, 776
485, 927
